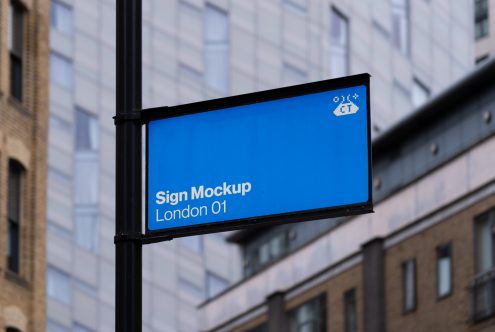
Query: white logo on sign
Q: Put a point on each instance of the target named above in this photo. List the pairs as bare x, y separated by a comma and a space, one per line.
346, 106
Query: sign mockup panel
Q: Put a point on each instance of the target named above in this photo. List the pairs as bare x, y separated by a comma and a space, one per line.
280, 157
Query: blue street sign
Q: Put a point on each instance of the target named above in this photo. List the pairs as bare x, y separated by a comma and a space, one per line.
282, 155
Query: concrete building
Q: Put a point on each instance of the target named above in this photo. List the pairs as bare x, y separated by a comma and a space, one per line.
422, 262
194, 50
23, 156
484, 29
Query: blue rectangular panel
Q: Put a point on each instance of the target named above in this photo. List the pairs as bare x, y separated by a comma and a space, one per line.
276, 157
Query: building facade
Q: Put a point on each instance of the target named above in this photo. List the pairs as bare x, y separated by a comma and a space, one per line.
424, 261
23, 148
195, 50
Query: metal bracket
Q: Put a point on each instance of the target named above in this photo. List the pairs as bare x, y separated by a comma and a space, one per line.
129, 237
135, 116
140, 238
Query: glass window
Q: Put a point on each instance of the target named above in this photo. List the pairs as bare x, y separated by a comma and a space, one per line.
192, 289
444, 270
350, 311
51, 326
216, 48
58, 285
485, 240
16, 46
420, 93
484, 281
214, 284
260, 328
400, 25
409, 285
309, 317
86, 228
61, 17
339, 44
14, 214
61, 71
86, 131
292, 75
86, 179
298, 5
193, 243
481, 19
80, 328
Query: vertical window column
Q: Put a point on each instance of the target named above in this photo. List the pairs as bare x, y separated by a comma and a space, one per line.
483, 284
14, 215
86, 182
444, 270
16, 43
481, 19
400, 25
339, 44
61, 17
216, 49
350, 315
409, 285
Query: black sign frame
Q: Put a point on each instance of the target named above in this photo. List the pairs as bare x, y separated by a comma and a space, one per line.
158, 113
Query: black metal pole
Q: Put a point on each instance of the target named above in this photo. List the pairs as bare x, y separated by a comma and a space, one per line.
128, 258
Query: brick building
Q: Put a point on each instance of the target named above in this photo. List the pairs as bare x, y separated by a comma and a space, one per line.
23, 141
424, 261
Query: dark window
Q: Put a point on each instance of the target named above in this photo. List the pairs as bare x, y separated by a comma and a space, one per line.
310, 316
14, 215
350, 315
483, 286
15, 42
260, 328
444, 270
480, 18
409, 285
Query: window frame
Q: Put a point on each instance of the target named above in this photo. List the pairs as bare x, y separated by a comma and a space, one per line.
216, 46
14, 263
417, 84
53, 5
406, 49
438, 250
405, 309
320, 302
482, 19
350, 294
16, 78
210, 274
334, 11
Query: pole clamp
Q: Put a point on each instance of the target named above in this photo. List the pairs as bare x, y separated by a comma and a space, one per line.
135, 116
128, 237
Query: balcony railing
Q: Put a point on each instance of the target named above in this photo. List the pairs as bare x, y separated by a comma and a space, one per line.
483, 295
